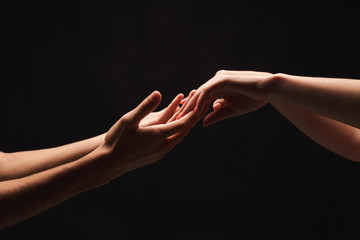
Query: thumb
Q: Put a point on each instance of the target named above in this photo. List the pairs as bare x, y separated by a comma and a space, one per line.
148, 105
219, 103
220, 113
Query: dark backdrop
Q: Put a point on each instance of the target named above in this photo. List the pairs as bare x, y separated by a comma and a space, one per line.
70, 70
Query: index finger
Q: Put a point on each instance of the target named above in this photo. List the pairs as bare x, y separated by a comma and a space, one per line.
188, 105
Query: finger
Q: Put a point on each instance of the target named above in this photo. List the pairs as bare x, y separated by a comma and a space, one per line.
188, 105
214, 88
177, 126
187, 98
174, 140
176, 113
191, 94
171, 128
199, 114
183, 102
217, 116
170, 110
218, 104
144, 108
204, 100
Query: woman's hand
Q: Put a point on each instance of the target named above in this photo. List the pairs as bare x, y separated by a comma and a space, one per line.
232, 93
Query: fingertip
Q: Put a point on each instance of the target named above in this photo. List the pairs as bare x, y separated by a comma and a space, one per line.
179, 116
157, 93
192, 92
180, 98
155, 96
216, 106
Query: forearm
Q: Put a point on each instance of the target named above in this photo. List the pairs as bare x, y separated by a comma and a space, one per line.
331, 134
334, 98
21, 164
25, 197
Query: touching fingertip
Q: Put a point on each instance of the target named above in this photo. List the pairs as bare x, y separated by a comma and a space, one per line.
216, 106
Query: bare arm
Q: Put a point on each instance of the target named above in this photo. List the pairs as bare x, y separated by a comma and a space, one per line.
21, 164
338, 137
26, 197
325, 109
335, 98
129, 144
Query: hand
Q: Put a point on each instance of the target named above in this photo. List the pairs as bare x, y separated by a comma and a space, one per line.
233, 92
138, 138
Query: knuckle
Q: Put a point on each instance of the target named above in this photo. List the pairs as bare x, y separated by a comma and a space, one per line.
221, 72
222, 82
222, 78
226, 83
205, 89
158, 133
125, 119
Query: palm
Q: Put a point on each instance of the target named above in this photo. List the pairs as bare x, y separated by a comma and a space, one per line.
153, 118
163, 116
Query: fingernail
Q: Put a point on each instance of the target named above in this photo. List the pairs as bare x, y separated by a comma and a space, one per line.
179, 116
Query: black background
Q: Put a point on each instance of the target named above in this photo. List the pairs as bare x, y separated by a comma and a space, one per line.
70, 70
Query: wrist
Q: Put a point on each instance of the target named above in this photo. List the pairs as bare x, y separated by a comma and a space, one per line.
273, 84
97, 165
110, 162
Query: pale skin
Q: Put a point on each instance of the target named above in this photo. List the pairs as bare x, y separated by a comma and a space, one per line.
34, 181
325, 109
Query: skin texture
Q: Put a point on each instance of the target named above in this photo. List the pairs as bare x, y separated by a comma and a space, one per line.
325, 109
34, 181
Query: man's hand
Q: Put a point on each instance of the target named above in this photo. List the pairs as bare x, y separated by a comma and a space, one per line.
138, 138
232, 93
